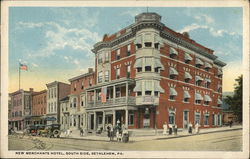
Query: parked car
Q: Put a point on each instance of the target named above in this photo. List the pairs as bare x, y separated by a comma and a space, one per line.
52, 130
34, 129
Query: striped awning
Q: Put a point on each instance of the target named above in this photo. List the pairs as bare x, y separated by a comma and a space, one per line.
198, 61
188, 57
157, 87
207, 98
198, 96
138, 86
186, 94
173, 51
158, 64
172, 92
138, 63
219, 101
172, 71
198, 78
187, 75
208, 80
138, 40
208, 65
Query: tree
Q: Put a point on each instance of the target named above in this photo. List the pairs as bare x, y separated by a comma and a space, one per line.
235, 102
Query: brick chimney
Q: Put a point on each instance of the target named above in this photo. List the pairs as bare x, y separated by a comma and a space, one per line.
90, 70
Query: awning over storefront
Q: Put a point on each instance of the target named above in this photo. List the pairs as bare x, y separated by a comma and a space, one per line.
173, 51
207, 98
186, 94
172, 71
198, 61
198, 96
138, 87
208, 65
187, 75
138, 63
198, 78
172, 92
188, 57
219, 101
158, 64
50, 118
157, 87
138, 40
148, 61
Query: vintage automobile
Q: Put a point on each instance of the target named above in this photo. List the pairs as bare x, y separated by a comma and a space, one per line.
34, 129
52, 130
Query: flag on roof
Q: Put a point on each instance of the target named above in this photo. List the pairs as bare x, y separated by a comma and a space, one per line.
23, 67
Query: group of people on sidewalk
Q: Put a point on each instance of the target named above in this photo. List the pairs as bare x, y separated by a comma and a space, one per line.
173, 129
120, 132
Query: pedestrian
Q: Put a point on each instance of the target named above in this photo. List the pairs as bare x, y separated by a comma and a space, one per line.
175, 129
68, 132
165, 128
190, 127
81, 131
170, 129
231, 123
111, 133
197, 128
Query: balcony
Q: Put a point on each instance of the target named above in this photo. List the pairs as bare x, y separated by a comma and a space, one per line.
147, 100
112, 102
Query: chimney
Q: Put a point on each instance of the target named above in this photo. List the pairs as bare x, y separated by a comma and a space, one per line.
90, 70
31, 90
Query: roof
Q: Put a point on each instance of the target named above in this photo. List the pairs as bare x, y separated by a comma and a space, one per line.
55, 82
81, 76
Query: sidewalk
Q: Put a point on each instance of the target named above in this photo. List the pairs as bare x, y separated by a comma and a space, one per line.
93, 137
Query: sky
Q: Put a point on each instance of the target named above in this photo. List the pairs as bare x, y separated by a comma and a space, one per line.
55, 42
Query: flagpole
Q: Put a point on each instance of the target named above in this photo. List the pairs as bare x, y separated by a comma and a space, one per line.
19, 74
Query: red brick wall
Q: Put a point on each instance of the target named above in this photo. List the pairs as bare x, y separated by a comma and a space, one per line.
39, 103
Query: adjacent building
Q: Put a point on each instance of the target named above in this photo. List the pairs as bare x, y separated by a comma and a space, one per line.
73, 114
39, 105
21, 108
148, 74
55, 92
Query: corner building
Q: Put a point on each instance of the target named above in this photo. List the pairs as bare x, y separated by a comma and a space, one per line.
151, 75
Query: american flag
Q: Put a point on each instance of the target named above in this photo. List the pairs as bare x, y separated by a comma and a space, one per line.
104, 94
23, 67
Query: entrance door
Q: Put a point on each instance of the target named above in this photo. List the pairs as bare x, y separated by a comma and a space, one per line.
92, 121
185, 119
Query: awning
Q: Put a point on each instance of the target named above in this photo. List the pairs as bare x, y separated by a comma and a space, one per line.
207, 98
198, 96
219, 101
148, 86
187, 75
173, 51
173, 92
148, 61
138, 87
198, 61
50, 118
158, 87
186, 94
138, 40
188, 57
172, 71
208, 80
158, 64
198, 78
138, 63
208, 65
220, 72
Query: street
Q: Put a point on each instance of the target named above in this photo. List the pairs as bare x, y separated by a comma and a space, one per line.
219, 141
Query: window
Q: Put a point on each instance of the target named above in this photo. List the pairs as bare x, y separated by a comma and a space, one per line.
118, 54
74, 121
213, 119
55, 106
148, 44
52, 107
171, 97
206, 102
55, 92
52, 92
75, 87
100, 77
106, 76
156, 93
186, 100
74, 102
148, 93
148, 68
197, 101
82, 101
172, 73
206, 117
171, 117
107, 57
172, 94
139, 69
197, 118
99, 58
128, 50
82, 87
128, 71
198, 80
117, 73
90, 82
139, 93
131, 119
118, 92
207, 84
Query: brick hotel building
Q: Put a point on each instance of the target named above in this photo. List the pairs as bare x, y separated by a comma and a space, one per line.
150, 74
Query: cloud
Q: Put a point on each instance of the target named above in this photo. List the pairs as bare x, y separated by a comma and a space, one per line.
30, 25
34, 65
133, 12
205, 18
